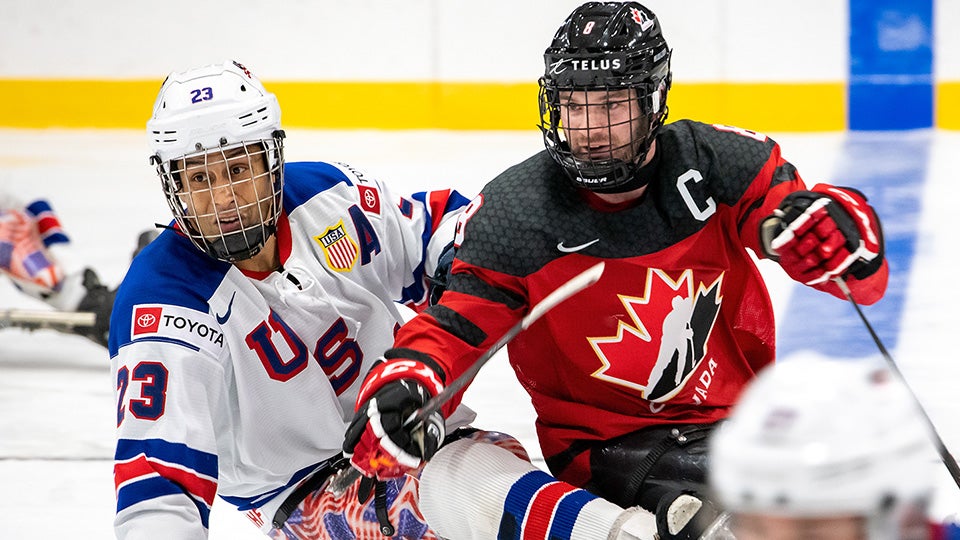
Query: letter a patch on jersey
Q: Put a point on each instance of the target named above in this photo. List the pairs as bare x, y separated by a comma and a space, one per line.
340, 250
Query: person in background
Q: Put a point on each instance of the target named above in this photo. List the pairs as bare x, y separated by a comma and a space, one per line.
826, 450
628, 378
35, 254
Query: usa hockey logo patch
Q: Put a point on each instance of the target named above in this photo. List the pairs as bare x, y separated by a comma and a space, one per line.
339, 249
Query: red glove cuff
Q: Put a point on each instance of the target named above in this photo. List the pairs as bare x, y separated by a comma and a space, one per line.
394, 369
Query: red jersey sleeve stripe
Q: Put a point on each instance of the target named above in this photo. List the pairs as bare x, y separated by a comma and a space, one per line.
48, 222
141, 467
437, 203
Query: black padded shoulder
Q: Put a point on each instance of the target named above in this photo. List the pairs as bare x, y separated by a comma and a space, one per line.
531, 208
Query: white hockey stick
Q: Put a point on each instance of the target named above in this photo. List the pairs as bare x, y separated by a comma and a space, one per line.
63, 321
576, 284
346, 477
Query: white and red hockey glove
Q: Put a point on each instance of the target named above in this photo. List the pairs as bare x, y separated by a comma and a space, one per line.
23, 255
378, 441
823, 233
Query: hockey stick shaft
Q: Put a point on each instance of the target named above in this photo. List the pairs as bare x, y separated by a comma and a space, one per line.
36, 319
576, 284
948, 460
345, 478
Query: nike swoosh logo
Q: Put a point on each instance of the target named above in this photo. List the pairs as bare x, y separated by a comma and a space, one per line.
223, 319
573, 249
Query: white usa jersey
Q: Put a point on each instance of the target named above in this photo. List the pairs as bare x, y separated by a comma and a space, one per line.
242, 384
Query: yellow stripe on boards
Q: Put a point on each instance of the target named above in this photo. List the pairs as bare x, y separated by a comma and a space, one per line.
407, 105
76, 103
947, 105
766, 107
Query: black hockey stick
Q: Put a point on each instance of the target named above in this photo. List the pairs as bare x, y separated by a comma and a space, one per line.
348, 476
945, 456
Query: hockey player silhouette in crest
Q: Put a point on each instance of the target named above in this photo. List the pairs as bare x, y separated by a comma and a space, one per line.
685, 332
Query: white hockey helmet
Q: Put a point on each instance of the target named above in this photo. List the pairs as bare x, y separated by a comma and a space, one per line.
819, 438
205, 113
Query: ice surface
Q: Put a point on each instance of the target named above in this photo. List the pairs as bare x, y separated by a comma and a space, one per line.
56, 406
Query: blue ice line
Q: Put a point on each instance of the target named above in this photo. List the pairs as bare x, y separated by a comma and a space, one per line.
890, 169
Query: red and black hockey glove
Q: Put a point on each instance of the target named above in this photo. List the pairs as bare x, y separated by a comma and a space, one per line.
822, 233
378, 441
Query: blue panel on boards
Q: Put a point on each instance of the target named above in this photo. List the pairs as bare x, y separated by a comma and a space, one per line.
891, 64
890, 106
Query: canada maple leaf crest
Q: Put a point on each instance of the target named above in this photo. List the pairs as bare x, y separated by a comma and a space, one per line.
664, 341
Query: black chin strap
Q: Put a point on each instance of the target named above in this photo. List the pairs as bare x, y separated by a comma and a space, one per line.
380, 505
640, 178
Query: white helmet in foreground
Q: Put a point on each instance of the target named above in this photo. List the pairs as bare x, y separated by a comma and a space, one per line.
216, 141
825, 439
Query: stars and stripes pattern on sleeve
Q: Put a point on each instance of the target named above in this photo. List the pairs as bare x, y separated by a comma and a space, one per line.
152, 468
48, 224
440, 203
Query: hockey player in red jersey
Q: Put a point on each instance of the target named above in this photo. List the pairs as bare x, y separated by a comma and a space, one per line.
629, 378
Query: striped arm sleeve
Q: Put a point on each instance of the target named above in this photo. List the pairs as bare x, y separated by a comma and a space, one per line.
48, 224
146, 470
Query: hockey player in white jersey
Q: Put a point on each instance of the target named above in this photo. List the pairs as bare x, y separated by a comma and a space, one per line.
827, 450
241, 335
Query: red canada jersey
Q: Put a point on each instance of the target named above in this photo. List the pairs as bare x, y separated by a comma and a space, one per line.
679, 321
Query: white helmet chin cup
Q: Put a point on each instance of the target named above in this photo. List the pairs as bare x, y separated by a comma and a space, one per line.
819, 438
211, 109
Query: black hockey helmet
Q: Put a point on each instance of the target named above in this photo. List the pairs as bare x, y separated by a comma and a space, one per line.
606, 47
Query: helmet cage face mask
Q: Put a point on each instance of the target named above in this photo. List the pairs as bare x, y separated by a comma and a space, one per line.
227, 200
610, 61
601, 135
217, 146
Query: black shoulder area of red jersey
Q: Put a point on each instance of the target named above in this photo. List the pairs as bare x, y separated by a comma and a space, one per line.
728, 158
532, 214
